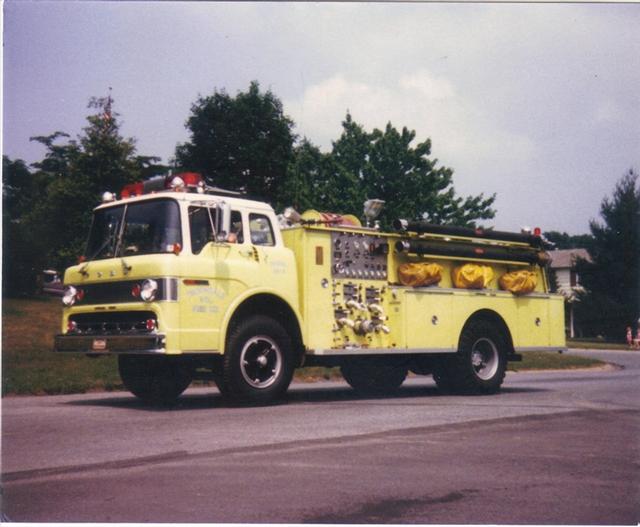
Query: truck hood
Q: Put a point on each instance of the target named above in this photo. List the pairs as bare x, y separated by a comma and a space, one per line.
126, 268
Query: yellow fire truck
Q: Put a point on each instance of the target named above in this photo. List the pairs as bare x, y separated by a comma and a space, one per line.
182, 281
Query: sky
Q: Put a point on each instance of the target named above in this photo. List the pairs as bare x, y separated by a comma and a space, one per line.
537, 103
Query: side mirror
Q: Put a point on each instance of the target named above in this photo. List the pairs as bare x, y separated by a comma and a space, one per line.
223, 221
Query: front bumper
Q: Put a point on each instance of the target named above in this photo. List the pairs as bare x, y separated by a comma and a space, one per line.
106, 344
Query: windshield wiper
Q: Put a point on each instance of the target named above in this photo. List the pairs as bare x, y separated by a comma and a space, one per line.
111, 238
100, 249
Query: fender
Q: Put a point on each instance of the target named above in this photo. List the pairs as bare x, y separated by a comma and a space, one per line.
495, 318
240, 299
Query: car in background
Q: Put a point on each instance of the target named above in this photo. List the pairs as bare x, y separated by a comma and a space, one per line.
51, 283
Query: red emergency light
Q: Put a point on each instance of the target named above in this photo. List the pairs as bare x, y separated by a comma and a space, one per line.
132, 189
185, 181
191, 179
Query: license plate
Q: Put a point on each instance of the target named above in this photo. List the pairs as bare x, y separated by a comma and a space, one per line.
99, 345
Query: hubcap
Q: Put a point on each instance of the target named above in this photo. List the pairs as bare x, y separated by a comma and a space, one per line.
485, 358
260, 361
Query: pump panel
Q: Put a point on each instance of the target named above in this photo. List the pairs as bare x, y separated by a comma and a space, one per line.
358, 255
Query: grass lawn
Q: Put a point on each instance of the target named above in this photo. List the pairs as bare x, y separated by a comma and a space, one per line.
534, 360
30, 367
596, 345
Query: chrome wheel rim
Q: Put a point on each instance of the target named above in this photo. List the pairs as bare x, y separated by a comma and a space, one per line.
485, 359
260, 361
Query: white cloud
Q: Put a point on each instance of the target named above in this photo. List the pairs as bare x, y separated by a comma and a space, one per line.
463, 135
428, 86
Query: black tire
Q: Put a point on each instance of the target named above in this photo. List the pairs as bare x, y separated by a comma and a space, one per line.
258, 362
155, 380
374, 375
219, 381
443, 377
479, 366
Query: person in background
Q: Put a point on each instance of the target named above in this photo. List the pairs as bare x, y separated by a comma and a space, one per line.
629, 337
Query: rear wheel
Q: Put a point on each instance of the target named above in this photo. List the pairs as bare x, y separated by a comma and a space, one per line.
480, 365
258, 364
373, 375
155, 380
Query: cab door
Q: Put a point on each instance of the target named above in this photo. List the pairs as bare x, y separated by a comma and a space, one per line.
274, 263
215, 274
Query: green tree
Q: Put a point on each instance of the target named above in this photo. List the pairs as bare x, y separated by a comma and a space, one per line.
17, 187
307, 176
19, 254
562, 240
384, 164
50, 229
244, 141
612, 278
316, 180
78, 172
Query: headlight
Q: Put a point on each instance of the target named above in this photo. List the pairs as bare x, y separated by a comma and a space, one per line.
69, 297
148, 290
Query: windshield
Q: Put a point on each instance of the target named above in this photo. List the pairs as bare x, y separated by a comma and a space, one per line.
148, 227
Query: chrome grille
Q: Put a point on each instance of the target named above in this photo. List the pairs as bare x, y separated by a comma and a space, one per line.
115, 323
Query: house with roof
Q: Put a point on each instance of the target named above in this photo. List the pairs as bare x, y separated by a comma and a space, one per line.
563, 264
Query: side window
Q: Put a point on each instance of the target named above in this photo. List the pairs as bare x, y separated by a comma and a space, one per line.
261, 230
201, 220
200, 228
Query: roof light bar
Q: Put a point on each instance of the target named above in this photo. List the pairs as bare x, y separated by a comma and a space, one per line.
132, 190
182, 182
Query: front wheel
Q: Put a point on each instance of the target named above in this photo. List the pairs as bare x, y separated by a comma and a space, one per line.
155, 380
258, 364
480, 365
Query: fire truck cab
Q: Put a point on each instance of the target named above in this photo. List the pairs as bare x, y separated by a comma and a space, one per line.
183, 282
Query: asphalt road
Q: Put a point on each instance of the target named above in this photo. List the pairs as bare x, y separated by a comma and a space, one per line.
552, 448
